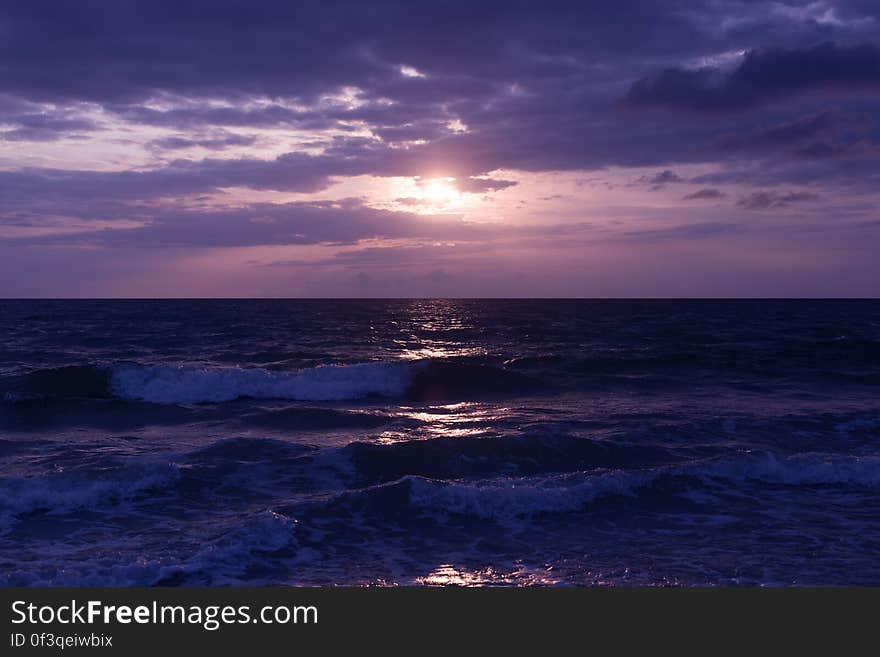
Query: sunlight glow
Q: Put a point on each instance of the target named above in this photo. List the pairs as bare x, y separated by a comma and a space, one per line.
440, 191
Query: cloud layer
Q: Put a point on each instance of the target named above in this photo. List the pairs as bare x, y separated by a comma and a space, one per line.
502, 137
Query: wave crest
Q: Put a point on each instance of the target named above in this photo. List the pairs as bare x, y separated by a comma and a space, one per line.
422, 380
169, 384
504, 501
66, 493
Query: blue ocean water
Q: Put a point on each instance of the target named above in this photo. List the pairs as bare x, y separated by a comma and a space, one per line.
477, 442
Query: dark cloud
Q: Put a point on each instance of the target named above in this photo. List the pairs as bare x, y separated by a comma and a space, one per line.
532, 83
197, 114
533, 88
822, 135
771, 200
784, 134
132, 50
707, 194
215, 143
762, 76
483, 185
293, 172
325, 222
44, 126
661, 179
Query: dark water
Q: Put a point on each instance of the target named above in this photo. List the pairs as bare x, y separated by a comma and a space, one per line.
461, 442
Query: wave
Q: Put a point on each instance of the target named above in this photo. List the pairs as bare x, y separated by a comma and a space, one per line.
312, 419
244, 450
423, 380
523, 455
507, 501
255, 542
180, 385
504, 501
67, 381
250, 546
465, 377
798, 470
75, 491
224, 560
172, 384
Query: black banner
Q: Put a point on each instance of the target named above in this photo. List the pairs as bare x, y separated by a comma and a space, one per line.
285, 620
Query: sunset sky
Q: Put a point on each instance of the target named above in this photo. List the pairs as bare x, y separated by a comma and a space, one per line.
586, 149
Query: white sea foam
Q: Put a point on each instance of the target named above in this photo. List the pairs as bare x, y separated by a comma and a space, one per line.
505, 501
66, 493
181, 385
524, 497
224, 559
219, 561
801, 469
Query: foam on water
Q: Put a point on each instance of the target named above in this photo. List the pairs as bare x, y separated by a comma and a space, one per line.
226, 558
220, 561
507, 501
514, 498
69, 492
800, 469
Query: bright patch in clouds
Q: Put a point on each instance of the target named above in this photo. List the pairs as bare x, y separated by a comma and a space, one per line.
411, 72
456, 125
440, 191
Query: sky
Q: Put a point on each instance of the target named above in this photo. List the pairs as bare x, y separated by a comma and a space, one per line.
684, 148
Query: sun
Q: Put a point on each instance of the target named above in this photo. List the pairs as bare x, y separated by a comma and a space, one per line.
440, 191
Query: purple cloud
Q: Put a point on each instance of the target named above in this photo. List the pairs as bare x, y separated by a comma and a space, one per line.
300, 105
707, 194
771, 200
763, 76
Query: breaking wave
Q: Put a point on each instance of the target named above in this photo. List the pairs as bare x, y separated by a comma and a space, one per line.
425, 380
75, 491
180, 385
508, 499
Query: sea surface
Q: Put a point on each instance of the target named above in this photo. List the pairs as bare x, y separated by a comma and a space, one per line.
432, 442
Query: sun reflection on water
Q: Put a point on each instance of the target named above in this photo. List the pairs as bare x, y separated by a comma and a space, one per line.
431, 329
463, 419
438, 349
450, 575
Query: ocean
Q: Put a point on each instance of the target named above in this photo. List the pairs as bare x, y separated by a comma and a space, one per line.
439, 442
